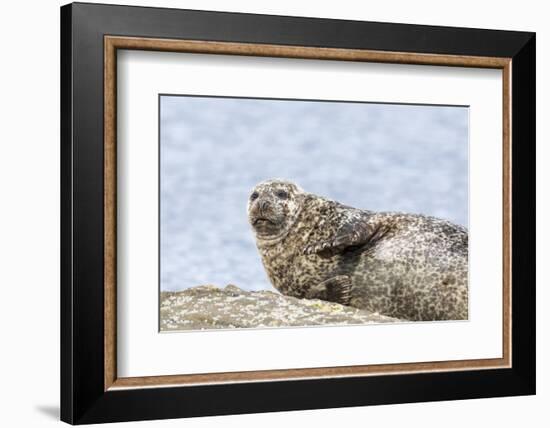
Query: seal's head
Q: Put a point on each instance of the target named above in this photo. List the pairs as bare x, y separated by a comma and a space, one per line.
273, 207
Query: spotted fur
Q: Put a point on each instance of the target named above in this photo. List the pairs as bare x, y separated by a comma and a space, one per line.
407, 266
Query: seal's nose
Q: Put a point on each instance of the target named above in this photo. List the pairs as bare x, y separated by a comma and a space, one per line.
263, 205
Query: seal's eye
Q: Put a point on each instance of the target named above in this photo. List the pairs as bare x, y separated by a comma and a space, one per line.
254, 196
281, 194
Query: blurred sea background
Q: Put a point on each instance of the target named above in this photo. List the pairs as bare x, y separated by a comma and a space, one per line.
381, 157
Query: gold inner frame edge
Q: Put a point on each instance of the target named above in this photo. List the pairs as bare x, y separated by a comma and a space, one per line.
113, 43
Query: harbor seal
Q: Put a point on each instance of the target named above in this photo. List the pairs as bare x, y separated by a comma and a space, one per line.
407, 266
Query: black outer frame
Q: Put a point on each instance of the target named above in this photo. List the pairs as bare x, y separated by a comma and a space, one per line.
83, 399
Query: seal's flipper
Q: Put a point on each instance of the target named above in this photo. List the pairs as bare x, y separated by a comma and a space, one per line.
336, 289
355, 230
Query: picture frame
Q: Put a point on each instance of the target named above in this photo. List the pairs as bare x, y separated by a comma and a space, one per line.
91, 390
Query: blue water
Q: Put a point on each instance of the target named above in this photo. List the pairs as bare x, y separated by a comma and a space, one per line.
376, 156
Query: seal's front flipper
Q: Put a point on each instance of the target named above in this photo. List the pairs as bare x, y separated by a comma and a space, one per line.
336, 289
317, 247
339, 289
354, 230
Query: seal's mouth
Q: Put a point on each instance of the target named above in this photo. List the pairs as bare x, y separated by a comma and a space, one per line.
263, 221
266, 226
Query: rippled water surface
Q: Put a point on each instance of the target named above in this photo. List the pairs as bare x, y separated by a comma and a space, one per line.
214, 150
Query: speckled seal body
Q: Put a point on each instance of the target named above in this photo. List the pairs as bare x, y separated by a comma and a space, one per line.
406, 266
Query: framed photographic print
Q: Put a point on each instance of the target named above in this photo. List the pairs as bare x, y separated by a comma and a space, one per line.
265, 213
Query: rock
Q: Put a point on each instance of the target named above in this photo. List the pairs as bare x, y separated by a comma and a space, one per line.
211, 307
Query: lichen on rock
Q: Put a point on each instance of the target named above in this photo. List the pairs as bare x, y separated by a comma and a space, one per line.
210, 307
